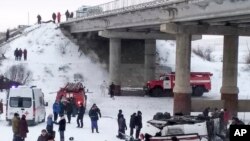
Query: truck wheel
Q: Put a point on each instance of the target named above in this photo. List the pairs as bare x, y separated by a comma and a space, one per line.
198, 91
156, 92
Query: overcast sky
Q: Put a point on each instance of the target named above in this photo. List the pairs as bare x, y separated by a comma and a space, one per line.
15, 12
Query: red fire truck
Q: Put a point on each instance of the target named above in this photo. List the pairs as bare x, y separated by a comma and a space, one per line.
75, 91
200, 83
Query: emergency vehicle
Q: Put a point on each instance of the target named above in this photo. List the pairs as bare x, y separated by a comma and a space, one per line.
199, 81
28, 101
75, 91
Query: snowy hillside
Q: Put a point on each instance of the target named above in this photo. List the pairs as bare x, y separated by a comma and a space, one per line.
54, 60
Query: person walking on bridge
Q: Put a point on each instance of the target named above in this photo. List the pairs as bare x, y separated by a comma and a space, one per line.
54, 17
67, 14
58, 17
39, 19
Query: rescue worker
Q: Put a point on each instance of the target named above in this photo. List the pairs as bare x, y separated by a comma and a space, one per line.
80, 115
58, 17
132, 124
103, 88
67, 15
25, 54
93, 114
23, 128
122, 126
206, 112
15, 126
138, 124
54, 17
39, 19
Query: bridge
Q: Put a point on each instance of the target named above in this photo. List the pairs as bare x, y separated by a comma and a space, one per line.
121, 21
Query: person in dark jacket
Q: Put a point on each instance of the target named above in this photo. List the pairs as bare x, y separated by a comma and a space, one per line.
80, 115
7, 35
112, 90
138, 124
62, 127
54, 17
71, 15
118, 117
132, 124
44, 136
69, 110
25, 54
56, 109
50, 123
20, 54
93, 114
16, 54
122, 126
206, 112
58, 17
23, 128
39, 19
1, 106
67, 15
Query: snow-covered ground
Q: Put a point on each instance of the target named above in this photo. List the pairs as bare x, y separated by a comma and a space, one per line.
46, 60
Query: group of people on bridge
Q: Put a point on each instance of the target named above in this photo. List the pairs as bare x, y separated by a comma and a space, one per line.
56, 17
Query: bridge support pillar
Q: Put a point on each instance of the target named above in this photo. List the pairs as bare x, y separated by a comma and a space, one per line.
229, 89
149, 66
115, 60
182, 89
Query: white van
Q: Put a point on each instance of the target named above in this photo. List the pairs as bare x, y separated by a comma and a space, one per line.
27, 101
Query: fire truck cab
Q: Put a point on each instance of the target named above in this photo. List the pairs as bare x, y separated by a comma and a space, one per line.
75, 91
199, 81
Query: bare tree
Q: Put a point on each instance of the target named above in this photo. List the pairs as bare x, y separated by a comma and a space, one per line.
19, 73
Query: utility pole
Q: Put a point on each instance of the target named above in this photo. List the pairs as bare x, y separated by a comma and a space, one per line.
28, 18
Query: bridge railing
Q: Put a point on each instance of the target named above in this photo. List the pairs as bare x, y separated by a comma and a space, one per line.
116, 6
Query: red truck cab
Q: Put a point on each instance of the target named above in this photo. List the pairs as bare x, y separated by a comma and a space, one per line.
199, 81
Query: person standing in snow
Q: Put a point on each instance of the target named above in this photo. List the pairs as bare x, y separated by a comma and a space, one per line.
67, 15
80, 115
138, 124
20, 54
132, 124
7, 35
103, 88
50, 123
54, 17
118, 117
62, 127
58, 17
23, 128
122, 127
56, 110
1, 106
39, 19
93, 114
16, 54
15, 126
25, 54
112, 90
69, 109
